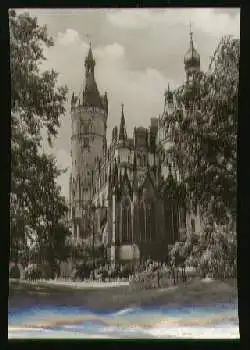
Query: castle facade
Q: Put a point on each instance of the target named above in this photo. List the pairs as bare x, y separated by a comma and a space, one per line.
125, 189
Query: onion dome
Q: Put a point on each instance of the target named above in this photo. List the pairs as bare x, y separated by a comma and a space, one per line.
192, 57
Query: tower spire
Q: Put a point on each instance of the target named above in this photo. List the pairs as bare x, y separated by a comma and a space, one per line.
89, 61
91, 95
191, 36
122, 131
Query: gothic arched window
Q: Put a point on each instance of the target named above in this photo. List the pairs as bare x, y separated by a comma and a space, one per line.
141, 221
126, 222
150, 219
147, 220
139, 159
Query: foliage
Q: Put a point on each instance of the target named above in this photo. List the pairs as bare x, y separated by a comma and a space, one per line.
205, 133
36, 94
213, 253
14, 272
37, 103
33, 272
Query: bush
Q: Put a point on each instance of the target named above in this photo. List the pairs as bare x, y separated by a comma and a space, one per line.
33, 272
14, 272
46, 271
215, 254
81, 272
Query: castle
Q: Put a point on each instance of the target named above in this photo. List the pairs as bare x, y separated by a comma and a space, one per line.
125, 188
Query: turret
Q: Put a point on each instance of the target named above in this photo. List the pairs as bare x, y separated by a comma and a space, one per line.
91, 95
105, 102
191, 60
192, 67
169, 99
114, 134
122, 131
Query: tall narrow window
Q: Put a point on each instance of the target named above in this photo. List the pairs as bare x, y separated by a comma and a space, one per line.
141, 222
126, 222
193, 225
145, 222
152, 220
147, 212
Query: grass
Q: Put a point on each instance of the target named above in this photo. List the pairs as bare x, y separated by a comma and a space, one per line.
196, 292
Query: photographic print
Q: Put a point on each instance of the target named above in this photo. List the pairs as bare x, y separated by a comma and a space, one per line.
123, 173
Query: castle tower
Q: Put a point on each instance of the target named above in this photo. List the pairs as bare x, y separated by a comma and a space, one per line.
89, 115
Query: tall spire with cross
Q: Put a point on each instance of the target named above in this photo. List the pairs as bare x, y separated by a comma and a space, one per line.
192, 57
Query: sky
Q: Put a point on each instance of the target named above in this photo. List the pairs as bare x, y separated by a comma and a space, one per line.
138, 52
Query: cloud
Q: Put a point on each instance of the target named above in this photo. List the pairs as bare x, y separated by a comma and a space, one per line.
130, 19
141, 91
206, 20
68, 37
113, 51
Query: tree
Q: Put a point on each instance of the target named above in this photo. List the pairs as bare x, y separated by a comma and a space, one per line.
214, 254
205, 136
37, 103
